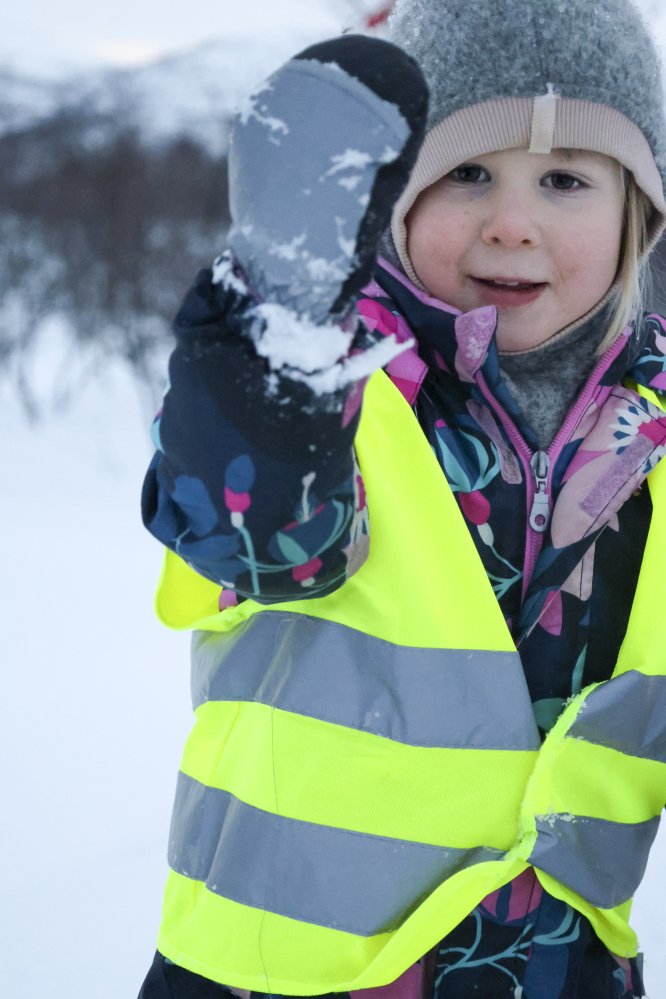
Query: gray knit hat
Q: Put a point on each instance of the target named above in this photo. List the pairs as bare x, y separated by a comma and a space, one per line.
535, 74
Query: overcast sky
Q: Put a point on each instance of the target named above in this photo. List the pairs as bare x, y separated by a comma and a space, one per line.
42, 34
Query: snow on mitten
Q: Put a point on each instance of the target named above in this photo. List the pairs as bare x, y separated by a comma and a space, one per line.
318, 157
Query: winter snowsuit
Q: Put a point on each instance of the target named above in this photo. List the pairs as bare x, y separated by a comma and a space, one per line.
565, 585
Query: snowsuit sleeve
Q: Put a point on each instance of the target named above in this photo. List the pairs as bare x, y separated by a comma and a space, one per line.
254, 480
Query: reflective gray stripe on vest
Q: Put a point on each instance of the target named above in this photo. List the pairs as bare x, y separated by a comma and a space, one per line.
447, 698
603, 861
627, 713
349, 881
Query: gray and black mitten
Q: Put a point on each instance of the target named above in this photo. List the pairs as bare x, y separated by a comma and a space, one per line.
318, 157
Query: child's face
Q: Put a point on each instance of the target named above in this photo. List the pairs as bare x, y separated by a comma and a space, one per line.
552, 223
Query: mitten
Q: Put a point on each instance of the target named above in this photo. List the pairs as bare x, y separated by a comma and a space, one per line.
318, 157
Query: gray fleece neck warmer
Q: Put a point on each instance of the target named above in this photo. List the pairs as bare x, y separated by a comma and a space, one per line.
534, 74
546, 380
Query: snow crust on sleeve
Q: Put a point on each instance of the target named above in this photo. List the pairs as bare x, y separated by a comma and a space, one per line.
315, 354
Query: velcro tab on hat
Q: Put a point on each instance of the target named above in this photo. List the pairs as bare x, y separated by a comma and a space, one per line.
543, 121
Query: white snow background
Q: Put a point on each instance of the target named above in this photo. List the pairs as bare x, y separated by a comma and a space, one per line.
94, 701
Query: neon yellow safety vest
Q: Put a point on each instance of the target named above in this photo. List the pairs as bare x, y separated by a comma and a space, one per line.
365, 767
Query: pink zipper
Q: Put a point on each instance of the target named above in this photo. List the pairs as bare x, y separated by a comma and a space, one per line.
538, 464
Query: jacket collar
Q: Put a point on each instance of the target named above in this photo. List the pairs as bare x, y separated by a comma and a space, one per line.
465, 343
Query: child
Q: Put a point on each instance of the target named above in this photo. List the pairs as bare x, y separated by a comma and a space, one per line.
435, 760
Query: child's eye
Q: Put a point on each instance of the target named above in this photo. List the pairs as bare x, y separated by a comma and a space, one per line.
559, 181
468, 173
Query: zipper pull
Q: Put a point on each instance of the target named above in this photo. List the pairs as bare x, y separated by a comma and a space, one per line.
540, 512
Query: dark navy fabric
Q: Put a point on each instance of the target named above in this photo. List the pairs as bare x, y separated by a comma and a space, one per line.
166, 980
232, 438
522, 942
521, 958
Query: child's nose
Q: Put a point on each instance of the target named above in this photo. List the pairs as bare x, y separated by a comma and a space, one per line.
511, 224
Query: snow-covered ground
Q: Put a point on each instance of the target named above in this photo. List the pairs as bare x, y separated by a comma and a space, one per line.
94, 707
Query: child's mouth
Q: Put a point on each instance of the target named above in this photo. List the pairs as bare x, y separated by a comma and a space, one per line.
508, 291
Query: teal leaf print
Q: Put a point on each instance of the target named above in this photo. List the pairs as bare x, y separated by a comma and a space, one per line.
577, 676
547, 711
291, 550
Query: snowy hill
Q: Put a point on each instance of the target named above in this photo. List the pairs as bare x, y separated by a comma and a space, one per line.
25, 100
189, 93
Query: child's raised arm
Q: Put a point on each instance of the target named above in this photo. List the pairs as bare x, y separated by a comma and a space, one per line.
254, 480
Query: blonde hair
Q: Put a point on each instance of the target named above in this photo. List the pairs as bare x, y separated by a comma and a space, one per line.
631, 283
